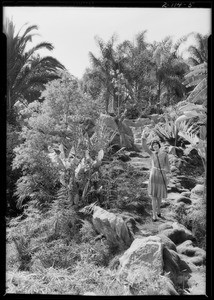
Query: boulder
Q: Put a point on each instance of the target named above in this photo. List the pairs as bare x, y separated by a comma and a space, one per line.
177, 233
186, 194
175, 266
184, 199
144, 261
143, 253
167, 242
113, 227
187, 243
197, 260
196, 254
198, 190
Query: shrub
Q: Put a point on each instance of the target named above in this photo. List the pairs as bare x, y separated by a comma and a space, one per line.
194, 220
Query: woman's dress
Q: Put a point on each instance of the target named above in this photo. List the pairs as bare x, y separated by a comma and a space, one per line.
157, 186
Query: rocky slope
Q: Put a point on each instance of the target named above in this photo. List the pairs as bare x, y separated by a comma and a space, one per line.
166, 247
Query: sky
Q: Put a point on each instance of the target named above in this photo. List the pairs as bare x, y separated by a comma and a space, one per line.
72, 30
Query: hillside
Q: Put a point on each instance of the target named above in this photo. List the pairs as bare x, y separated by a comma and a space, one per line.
79, 256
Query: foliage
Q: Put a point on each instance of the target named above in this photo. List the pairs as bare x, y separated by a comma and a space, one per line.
194, 220
199, 52
169, 71
190, 110
103, 66
91, 83
135, 63
55, 121
27, 72
197, 77
166, 131
12, 176
150, 110
132, 111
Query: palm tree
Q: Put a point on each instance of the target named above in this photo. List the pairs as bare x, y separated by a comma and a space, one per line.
104, 65
169, 70
199, 52
136, 64
26, 72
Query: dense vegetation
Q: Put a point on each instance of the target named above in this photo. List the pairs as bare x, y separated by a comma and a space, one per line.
55, 168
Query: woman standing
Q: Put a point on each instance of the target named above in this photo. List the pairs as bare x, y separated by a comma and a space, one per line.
157, 187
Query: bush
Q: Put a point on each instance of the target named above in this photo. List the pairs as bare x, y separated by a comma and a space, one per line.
195, 221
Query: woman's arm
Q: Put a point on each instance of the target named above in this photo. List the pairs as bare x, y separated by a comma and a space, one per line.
144, 145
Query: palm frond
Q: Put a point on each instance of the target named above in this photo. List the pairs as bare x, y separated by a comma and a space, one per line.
199, 91
42, 45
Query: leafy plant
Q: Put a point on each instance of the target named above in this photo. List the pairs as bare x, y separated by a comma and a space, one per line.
27, 72
197, 77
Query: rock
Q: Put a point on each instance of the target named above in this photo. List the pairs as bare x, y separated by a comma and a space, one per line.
173, 169
198, 190
187, 243
197, 283
182, 190
178, 233
143, 253
175, 265
191, 265
184, 200
164, 203
196, 254
197, 260
167, 242
186, 194
111, 226
171, 289
167, 225
172, 188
